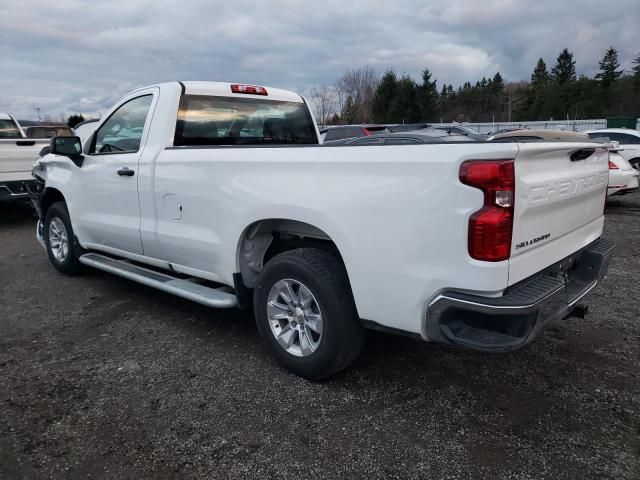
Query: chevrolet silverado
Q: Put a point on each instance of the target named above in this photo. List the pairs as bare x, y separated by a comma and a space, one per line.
222, 193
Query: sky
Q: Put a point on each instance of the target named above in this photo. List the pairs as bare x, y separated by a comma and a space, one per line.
77, 56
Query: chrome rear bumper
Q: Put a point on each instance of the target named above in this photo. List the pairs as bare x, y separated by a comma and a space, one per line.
513, 320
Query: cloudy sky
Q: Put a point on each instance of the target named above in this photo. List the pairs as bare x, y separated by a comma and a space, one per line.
67, 56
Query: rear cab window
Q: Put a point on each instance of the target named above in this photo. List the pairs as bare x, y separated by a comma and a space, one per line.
8, 129
218, 120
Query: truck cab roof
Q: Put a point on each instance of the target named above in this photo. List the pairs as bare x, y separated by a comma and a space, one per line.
224, 89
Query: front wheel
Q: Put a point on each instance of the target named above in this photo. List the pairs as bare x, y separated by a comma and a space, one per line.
306, 315
60, 241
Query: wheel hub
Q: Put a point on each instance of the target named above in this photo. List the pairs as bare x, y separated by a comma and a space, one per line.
294, 317
58, 239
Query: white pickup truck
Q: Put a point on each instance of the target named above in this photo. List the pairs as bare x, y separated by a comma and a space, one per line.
221, 193
17, 154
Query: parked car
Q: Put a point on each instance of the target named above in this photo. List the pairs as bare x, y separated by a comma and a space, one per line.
462, 130
524, 135
351, 131
505, 130
46, 131
17, 154
628, 139
407, 127
623, 178
439, 241
428, 135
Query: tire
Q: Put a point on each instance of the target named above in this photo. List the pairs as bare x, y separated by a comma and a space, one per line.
62, 247
311, 355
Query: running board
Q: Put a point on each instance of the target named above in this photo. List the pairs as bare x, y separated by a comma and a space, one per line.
211, 297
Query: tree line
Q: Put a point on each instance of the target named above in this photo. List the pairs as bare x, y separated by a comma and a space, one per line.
362, 96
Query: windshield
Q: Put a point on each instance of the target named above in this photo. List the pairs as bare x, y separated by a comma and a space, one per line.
8, 129
470, 131
210, 120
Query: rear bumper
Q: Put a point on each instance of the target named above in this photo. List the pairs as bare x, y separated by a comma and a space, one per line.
511, 321
15, 190
627, 182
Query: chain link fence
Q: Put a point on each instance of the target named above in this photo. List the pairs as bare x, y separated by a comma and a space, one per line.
570, 125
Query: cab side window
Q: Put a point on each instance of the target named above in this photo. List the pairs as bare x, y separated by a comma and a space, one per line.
122, 132
624, 138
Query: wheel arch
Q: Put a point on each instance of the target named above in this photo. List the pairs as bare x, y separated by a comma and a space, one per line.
50, 196
263, 239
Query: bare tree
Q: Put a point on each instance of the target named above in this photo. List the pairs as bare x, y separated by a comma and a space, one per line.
340, 95
513, 96
360, 84
324, 101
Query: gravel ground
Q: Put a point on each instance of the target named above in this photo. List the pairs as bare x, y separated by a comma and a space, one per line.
101, 377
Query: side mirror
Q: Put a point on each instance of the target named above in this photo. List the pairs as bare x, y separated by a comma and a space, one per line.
69, 147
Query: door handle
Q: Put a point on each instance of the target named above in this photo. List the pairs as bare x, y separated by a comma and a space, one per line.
126, 172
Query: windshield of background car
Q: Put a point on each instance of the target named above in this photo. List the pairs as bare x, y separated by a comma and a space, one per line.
49, 132
8, 129
340, 133
212, 120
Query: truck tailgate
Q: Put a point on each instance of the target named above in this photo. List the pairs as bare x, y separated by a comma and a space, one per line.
559, 203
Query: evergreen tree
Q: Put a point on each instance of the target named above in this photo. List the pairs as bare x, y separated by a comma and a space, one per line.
427, 97
565, 68
497, 83
540, 75
636, 67
496, 96
74, 120
636, 72
609, 66
384, 96
404, 108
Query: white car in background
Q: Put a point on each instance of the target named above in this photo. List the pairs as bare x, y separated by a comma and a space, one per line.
623, 178
628, 139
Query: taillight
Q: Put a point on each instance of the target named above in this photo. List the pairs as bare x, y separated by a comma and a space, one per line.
249, 89
491, 227
613, 166
367, 133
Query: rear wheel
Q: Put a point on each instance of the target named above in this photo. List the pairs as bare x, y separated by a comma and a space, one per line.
305, 313
60, 241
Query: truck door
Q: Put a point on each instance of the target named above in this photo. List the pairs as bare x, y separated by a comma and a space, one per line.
106, 210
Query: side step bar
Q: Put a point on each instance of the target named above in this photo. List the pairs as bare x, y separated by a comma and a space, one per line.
211, 297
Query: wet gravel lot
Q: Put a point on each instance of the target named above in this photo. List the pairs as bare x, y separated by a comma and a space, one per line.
103, 378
